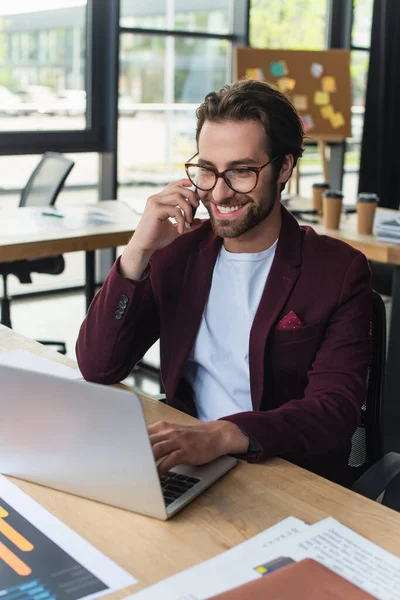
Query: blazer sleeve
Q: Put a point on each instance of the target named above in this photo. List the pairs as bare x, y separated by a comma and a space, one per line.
121, 325
328, 414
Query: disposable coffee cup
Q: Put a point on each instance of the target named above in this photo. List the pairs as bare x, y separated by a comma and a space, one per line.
318, 190
366, 207
332, 202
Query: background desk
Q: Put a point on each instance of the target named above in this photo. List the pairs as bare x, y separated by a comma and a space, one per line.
245, 502
26, 233
383, 252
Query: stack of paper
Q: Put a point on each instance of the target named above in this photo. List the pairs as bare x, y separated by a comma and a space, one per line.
389, 230
328, 542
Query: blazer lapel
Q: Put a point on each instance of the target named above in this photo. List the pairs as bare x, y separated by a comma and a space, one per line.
280, 282
190, 307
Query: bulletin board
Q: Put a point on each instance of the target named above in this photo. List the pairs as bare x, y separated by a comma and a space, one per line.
317, 83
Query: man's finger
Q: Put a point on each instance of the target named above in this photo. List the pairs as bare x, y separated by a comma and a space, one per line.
168, 463
160, 436
158, 426
196, 223
162, 449
185, 182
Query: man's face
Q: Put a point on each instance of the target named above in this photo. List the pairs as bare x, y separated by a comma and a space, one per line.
233, 145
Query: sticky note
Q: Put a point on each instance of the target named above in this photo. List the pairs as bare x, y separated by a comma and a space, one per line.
337, 120
278, 69
327, 111
261, 570
328, 84
256, 73
300, 102
321, 98
285, 84
307, 121
317, 70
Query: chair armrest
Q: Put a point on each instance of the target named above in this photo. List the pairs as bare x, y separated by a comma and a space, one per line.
383, 476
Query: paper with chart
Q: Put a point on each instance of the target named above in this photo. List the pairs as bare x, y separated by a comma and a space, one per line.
330, 543
43, 559
226, 571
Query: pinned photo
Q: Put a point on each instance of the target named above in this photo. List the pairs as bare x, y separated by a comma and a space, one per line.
255, 73
307, 121
317, 70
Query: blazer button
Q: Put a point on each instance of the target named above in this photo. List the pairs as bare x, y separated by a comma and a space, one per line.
123, 300
118, 315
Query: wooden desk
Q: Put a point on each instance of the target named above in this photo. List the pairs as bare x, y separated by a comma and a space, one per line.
246, 501
373, 249
383, 252
27, 233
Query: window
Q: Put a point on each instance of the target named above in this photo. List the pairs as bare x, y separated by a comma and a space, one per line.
42, 76
209, 16
163, 79
288, 24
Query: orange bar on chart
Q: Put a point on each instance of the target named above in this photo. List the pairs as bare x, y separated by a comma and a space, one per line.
11, 534
14, 562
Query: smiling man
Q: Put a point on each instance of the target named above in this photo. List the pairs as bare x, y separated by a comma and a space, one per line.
263, 324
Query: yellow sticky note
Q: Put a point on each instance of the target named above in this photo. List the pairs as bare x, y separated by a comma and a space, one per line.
337, 120
327, 111
321, 98
286, 84
328, 84
300, 102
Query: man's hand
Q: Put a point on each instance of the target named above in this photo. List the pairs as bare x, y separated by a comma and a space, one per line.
155, 230
195, 444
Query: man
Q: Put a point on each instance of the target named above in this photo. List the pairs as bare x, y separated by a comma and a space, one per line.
263, 325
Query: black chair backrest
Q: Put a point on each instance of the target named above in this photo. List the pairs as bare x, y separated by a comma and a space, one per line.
367, 439
46, 181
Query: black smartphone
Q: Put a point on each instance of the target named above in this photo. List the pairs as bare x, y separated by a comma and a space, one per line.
194, 208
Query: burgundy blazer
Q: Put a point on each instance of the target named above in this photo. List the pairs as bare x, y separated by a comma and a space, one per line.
307, 384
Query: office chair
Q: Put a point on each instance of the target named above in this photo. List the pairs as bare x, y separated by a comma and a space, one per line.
382, 478
367, 439
42, 189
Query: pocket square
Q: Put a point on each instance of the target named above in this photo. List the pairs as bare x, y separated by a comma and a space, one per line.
290, 321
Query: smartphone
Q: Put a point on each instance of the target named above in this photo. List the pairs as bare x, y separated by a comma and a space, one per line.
194, 208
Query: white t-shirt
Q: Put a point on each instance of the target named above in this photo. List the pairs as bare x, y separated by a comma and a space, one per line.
218, 365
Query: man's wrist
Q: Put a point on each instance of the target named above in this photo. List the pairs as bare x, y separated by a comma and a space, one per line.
133, 263
231, 438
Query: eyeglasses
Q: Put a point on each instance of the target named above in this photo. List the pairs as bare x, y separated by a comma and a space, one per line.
242, 180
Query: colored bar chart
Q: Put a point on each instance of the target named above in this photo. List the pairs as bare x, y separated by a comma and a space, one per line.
31, 590
33, 567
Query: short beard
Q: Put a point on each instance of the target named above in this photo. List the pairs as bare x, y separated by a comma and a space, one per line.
256, 213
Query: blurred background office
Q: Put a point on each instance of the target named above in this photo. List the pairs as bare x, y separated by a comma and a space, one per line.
114, 84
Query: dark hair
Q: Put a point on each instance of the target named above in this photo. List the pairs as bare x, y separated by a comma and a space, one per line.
250, 100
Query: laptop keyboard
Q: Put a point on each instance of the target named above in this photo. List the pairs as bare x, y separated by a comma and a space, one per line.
174, 485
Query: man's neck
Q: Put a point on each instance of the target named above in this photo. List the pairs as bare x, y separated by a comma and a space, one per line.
260, 237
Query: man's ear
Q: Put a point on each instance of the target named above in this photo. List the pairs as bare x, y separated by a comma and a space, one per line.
286, 169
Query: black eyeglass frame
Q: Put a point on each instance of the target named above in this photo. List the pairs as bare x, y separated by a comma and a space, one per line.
222, 174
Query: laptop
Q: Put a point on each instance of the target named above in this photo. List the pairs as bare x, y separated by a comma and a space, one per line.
90, 440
